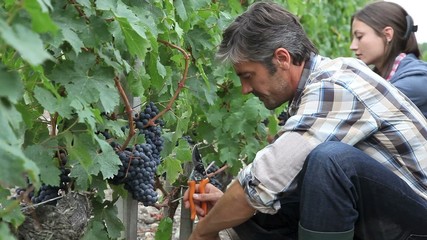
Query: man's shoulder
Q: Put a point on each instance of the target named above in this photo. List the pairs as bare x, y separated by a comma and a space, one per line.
330, 67
346, 62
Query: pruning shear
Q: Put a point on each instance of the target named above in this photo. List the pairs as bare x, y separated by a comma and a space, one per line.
198, 175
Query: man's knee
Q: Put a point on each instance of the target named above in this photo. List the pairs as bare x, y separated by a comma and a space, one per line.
327, 151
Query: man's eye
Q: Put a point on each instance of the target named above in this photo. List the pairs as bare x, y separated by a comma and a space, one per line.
246, 76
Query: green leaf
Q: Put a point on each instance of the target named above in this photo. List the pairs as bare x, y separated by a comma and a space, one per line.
10, 123
108, 160
51, 104
273, 125
235, 123
95, 230
14, 214
164, 231
12, 87
183, 151
45, 5
26, 42
81, 147
5, 232
73, 39
49, 171
161, 69
172, 167
133, 31
88, 89
81, 176
113, 223
14, 163
106, 5
215, 118
180, 9
85, 3
40, 17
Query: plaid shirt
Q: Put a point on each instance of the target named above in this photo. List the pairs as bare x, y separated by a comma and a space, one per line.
340, 100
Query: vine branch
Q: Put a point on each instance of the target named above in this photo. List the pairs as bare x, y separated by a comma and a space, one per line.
79, 10
128, 112
181, 83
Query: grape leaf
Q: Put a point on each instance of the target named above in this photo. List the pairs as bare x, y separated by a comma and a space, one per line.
12, 87
113, 223
108, 160
15, 216
73, 39
80, 147
172, 168
106, 5
49, 172
5, 231
164, 231
40, 18
51, 104
82, 177
96, 230
234, 123
15, 162
180, 9
88, 89
133, 30
26, 42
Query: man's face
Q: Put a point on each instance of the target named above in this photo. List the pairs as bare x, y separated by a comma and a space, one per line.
272, 90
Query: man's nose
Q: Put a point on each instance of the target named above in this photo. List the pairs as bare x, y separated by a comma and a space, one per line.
246, 87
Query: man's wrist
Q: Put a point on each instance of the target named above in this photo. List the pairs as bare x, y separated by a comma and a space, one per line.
202, 230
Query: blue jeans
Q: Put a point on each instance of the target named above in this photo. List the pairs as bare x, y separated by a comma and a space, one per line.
342, 189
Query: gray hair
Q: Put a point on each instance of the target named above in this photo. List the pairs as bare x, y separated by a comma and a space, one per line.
258, 32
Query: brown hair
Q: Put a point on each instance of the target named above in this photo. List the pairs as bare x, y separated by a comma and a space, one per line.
379, 15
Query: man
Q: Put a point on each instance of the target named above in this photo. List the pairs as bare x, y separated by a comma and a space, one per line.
351, 160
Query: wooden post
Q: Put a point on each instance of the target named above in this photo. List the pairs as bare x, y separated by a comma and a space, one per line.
186, 225
128, 208
128, 214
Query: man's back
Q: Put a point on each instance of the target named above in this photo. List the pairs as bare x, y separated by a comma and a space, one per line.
343, 100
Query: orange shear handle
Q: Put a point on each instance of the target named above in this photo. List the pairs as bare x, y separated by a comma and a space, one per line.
202, 190
191, 191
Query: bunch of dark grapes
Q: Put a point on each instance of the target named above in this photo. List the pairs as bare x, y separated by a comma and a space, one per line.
139, 163
152, 134
212, 168
48, 192
283, 117
137, 173
213, 180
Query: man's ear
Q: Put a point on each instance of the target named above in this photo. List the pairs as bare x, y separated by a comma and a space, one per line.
283, 58
388, 33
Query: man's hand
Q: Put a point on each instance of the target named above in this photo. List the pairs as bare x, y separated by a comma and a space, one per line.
211, 196
231, 209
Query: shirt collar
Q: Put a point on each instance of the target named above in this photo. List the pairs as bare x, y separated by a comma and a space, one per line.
309, 67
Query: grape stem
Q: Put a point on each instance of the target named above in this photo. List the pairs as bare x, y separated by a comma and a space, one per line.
218, 171
181, 83
128, 112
